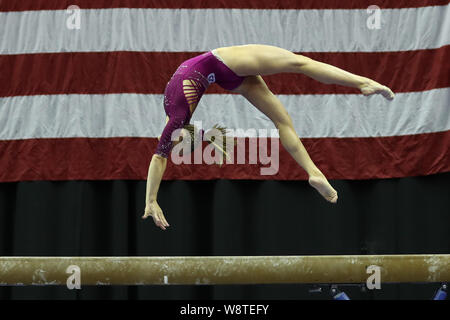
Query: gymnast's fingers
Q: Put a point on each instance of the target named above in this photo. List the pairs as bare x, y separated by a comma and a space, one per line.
158, 218
159, 214
163, 218
161, 225
157, 222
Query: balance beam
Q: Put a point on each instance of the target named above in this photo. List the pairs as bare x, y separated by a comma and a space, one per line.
224, 270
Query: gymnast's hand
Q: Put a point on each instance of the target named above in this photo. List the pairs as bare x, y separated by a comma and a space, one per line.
153, 209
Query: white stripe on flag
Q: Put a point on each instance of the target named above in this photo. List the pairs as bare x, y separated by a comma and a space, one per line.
137, 115
205, 29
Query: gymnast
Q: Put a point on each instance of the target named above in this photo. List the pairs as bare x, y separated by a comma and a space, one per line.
239, 69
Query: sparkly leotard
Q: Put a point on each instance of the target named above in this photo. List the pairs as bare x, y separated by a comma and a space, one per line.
180, 95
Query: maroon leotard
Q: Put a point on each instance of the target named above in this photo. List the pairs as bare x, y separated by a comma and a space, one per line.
202, 70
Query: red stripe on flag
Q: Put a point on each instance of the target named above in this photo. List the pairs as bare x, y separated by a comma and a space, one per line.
128, 158
148, 72
23, 5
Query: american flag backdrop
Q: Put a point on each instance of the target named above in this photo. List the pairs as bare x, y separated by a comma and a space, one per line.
87, 103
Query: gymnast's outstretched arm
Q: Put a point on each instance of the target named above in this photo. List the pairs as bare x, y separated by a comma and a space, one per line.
155, 173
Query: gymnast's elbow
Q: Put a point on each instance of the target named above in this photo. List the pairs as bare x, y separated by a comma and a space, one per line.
159, 158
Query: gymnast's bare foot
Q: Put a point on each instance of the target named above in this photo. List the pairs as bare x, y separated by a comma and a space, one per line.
371, 87
320, 183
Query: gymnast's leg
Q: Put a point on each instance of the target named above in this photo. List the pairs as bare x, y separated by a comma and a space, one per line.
265, 60
255, 90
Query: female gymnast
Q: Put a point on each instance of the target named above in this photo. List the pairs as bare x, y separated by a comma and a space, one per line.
239, 69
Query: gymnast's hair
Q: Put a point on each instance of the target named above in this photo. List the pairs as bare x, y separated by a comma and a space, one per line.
219, 147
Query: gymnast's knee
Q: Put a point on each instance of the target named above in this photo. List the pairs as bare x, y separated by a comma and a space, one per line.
288, 137
298, 62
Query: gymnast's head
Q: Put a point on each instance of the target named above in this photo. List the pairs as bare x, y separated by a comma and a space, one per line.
187, 139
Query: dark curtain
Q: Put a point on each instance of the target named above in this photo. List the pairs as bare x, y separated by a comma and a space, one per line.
222, 217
